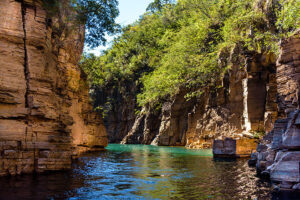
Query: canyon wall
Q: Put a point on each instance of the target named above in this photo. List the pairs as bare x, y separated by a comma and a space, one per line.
279, 152
242, 104
239, 103
121, 115
243, 108
45, 114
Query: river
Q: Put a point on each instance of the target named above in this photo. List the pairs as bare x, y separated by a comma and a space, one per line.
145, 172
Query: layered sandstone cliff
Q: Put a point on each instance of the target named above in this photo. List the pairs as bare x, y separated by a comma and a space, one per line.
45, 115
279, 152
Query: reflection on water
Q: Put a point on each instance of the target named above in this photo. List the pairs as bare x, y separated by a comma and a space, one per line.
145, 172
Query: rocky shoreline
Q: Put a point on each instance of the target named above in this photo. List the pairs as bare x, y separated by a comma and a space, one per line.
278, 154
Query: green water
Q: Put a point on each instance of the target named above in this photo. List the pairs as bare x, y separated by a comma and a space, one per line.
144, 172
174, 151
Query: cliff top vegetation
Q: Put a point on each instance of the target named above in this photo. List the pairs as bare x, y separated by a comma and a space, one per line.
180, 45
98, 16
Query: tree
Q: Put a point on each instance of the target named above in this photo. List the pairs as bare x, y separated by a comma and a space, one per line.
157, 5
186, 45
98, 16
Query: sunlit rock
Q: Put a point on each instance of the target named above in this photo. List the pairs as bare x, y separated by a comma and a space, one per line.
45, 114
281, 146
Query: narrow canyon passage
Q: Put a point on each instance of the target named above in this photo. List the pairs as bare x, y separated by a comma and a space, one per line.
185, 92
145, 172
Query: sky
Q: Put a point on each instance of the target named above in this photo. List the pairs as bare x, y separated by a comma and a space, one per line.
130, 11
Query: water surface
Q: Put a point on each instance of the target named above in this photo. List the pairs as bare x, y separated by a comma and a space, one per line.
145, 172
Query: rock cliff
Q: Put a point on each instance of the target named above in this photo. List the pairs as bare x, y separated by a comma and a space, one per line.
243, 106
279, 152
45, 115
240, 102
121, 110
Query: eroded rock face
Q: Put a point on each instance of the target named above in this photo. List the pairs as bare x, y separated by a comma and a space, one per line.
234, 148
164, 127
174, 122
45, 115
241, 104
144, 129
279, 152
246, 103
121, 116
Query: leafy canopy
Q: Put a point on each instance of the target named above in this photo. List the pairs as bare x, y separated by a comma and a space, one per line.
98, 16
179, 45
158, 5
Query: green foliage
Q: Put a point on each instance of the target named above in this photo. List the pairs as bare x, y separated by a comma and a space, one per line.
179, 46
158, 5
98, 16
288, 16
90, 65
104, 109
258, 134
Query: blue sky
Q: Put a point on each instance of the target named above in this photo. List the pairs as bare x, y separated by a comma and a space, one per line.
130, 11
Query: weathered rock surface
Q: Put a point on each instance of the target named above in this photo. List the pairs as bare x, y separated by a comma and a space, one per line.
120, 116
174, 122
45, 115
279, 151
234, 148
165, 127
244, 105
240, 105
144, 130
226, 147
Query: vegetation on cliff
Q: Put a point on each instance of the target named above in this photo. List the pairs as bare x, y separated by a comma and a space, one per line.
180, 45
98, 16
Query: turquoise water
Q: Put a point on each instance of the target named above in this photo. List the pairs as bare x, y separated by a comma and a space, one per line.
144, 172
174, 151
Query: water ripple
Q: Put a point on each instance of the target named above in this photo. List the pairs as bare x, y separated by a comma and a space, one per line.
145, 172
